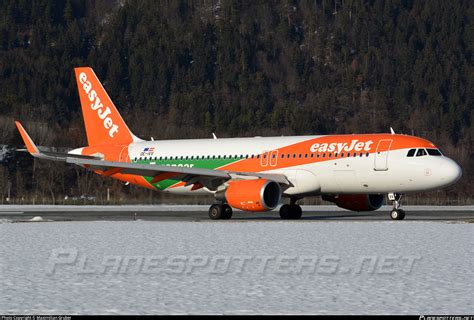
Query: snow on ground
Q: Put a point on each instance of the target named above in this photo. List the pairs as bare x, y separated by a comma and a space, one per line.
237, 267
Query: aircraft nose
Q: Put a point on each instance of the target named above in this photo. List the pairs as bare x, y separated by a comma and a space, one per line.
451, 172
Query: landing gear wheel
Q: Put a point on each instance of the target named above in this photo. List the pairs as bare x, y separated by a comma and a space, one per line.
285, 211
215, 212
227, 211
397, 214
290, 212
220, 211
401, 214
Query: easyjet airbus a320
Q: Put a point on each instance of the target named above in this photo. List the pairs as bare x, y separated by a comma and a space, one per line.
353, 171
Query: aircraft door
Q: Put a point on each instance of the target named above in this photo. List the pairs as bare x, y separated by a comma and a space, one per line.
381, 155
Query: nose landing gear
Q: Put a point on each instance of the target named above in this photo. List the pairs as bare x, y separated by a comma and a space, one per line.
396, 213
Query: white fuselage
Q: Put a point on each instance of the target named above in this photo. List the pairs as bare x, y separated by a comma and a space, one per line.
366, 170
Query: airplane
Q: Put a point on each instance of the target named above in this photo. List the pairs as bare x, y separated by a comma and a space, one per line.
354, 171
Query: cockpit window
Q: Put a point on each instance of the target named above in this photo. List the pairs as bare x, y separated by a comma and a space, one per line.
434, 152
421, 152
411, 153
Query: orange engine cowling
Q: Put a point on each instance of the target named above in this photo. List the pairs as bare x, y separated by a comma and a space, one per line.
356, 202
251, 195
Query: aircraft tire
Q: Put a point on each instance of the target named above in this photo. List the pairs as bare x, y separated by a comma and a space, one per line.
227, 211
397, 214
216, 212
290, 212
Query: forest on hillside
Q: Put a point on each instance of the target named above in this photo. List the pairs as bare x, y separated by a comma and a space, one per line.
185, 69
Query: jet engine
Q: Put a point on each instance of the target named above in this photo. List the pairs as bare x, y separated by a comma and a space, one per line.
356, 202
251, 195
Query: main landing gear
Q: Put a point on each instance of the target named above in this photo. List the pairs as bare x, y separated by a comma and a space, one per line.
396, 213
291, 211
220, 211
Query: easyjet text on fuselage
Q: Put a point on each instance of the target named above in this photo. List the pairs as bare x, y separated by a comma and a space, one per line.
339, 147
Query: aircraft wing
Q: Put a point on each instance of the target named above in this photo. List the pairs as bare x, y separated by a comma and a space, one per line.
159, 173
179, 173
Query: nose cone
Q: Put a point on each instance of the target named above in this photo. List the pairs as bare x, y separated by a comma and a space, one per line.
451, 172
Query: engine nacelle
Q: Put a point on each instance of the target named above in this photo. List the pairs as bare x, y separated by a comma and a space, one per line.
356, 202
251, 195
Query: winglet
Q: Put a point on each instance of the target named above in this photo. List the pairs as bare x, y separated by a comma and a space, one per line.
30, 145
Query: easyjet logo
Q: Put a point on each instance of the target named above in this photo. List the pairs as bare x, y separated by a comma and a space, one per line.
96, 105
339, 147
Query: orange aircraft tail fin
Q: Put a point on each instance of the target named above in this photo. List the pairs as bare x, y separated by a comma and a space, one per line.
104, 124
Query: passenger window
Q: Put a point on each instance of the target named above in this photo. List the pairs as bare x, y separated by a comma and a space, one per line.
367, 154
421, 152
342, 155
434, 152
411, 153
